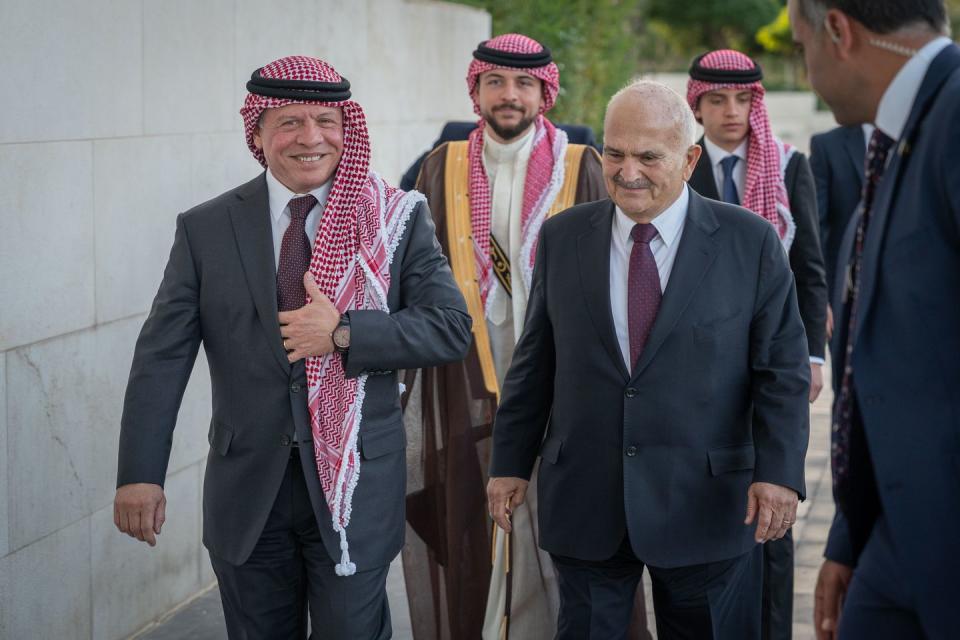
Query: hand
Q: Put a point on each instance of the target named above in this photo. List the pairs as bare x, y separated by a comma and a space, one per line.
829, 322
139, 510
308, 331
816, 380
503, 494
775, 508
832, 584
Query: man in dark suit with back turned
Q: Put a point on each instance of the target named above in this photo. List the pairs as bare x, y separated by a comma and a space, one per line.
308, 287
664, 360
891, 556
836, 159
744, 163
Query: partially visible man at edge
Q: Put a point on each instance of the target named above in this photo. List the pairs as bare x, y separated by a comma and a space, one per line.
892, 563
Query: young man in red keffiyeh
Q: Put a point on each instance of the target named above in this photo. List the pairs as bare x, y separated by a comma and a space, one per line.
490, 195
308, 287
743, 163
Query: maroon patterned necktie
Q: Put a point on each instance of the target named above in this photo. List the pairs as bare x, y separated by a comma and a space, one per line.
294, 256
843, 416
643, 289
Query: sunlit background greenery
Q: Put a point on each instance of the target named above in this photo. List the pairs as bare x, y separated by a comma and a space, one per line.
601, 44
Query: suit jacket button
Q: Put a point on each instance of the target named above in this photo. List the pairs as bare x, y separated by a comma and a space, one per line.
631, 451
285, 441
295, 387
630, 392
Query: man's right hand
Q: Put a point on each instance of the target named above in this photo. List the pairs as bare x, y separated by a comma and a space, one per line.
139, 510
831, 589
503, 494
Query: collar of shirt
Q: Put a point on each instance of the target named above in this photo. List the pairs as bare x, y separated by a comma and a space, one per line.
500, 152
717, 153
668, 223
897, 101
280, 196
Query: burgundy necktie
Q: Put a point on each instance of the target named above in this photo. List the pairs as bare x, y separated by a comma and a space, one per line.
643, 289
843, 416
294, 256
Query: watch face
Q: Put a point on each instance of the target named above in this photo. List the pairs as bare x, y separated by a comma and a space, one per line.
341, 337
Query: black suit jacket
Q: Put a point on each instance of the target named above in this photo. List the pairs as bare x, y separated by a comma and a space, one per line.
836, 158
806, 260
718, 399
905, 460
219, 290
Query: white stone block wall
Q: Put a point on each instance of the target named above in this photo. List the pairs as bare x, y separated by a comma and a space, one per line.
117, 115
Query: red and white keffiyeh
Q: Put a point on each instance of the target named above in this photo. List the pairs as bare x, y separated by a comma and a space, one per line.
361, 225
765, 192
545, 169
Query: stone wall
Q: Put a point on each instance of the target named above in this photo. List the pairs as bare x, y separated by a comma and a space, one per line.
117, 115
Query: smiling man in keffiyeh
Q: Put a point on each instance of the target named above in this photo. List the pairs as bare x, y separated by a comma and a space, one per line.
308, 287
490, 195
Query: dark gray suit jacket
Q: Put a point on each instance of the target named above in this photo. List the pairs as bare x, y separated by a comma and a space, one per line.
905, 460
219, 290
836, 159
806, 259
718, 399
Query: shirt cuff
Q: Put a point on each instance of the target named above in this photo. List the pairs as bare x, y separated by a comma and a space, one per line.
816, 360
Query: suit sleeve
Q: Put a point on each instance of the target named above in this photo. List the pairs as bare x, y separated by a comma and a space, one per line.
780, 373
527, 394
431, 325
162, 362
839, 548
820, 167
806, 256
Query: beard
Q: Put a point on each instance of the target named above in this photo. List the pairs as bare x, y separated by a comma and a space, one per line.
510, 132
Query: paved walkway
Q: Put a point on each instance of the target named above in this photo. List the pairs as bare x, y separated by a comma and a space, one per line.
201, 618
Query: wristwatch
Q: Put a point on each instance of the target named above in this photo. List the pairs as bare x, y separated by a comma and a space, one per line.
341, 335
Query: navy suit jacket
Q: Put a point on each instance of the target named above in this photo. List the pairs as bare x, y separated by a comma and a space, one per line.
906, 358
716, 401
836, 158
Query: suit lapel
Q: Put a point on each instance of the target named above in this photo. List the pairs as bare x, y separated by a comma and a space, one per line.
593, 254
695, 255
250, 215
856, 148
702, 179
945, 64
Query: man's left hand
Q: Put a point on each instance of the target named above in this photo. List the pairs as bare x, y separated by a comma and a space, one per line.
816, 380
308, 330
774, 507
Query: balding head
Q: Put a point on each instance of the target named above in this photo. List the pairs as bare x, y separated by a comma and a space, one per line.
657, 100
649, 150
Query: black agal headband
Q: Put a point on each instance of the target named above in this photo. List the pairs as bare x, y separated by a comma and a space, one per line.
507, 59
725, 76
298, 89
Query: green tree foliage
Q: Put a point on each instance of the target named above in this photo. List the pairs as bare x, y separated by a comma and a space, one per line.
700, 25
593, 43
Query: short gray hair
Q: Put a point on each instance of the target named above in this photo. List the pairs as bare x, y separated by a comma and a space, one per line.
672, 103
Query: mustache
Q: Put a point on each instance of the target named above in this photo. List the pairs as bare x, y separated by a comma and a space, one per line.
639, 183
511, 107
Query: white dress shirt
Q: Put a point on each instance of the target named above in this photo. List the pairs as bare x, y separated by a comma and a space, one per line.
669, 225
718, 154
897, 100
280, 197
506, 167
